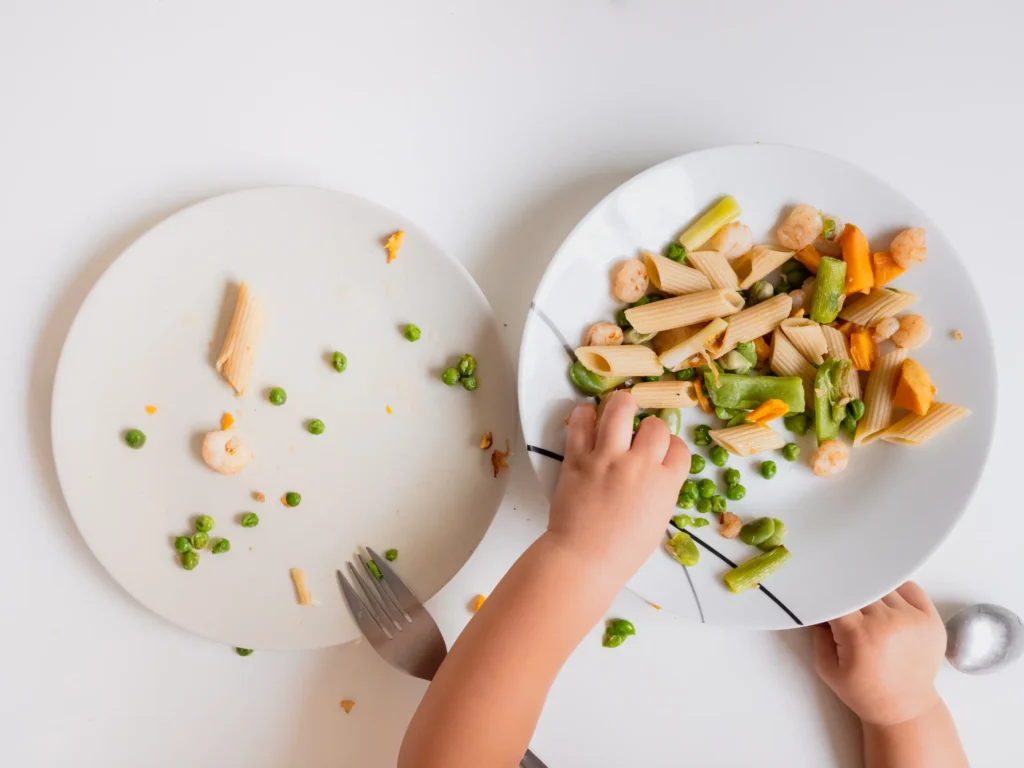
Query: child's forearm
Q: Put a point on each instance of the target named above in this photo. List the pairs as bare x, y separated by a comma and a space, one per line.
927, 741
484, 703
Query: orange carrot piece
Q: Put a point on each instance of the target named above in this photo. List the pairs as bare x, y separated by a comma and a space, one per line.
762, 349
809, 257
478, 603
863, 350
227, 421
768, 410
914, 388
150, 409
885, 269
698, 391
857, 255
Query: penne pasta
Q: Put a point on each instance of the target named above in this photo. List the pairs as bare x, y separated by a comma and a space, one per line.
761, 260
302, 592
715, 268
838, 348
628, 360
755, 321
917, 430
239, 351
879, 303
878, 397
747, 439
786, 359
684, 310
708, 336
674, 278
807, 337
673, 336
664, 394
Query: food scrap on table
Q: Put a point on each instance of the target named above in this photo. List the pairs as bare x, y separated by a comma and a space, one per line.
150, 409
257, 496
301, 591
477, 603
486, 441
347, 705
387, 409
958, 336
393, 244
498, 458
236, 357
227, 421
655, 606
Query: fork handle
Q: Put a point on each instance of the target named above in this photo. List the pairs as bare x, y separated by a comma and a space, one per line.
530, 760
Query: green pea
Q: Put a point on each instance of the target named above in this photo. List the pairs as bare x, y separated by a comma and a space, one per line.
783, 285
135, 438
467, 365
768, 469
243, 651
701, 435
374, 569
621, 627
220, 546
704, 506
696, 464
450, 376
645, 415
796, 422
469, 383
732, 476
690, 489
339, 361
791, 451
200, 540
719, 456
412, 332
278, 396
613, 641
707, 488
687, 374
250, 520
735, 492
761, 291
621, 321
182, 544
676, 252
636, 422
391, 555
855, 408
700, 522
681, 521
718, 503
850, 425
685, 502
756, 531
315, 427
292, 499
189, 560
652, 378
204, 523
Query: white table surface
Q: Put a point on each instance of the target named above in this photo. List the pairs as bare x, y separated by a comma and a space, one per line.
495, 126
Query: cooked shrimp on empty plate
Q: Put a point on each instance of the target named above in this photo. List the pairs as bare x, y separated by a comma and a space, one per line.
224, 452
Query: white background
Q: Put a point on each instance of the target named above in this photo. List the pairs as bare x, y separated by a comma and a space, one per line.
496, 127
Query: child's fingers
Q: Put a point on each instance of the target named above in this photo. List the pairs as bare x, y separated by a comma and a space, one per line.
916, 596
615, 430
894, 600
677, 460
651, 440
826, 653
846, 625
581, 432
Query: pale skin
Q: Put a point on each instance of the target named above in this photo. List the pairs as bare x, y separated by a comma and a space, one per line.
610, 510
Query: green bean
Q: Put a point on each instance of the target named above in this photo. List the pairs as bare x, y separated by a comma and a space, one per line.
686, 374
829, 391
829, 287
718, 503
412, 332
704, 506
339, 361
292, 499
696, 464
768, 469
776, 538
391, 555
855, 408
747, 392
250, 520
450, 376
707, 488
221, 546
621, 627
700, 522
676, 252
204, 523
681, 521
673, 418
467, 365
200, 540
791, 451
701, 435
719, 456
732, 476
374, 569
135, 438
189, 560
798, 423
682, 548
315, 427
243, 651
469, 383
754, 571
613, 641
756, 531
277, 396
735, 492
587, 382
182, 544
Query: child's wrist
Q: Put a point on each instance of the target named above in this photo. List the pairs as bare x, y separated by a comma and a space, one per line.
928, 703
602, 572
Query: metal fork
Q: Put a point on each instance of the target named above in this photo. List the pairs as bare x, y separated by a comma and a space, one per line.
398, 626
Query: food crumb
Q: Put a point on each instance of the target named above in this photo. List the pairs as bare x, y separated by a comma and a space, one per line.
284, 500
347, 705
150, 409
498, 458
393, 244
257, 496
477, 603
227, 421
486, 441
655, 606
958, 336
388, 409
301, 591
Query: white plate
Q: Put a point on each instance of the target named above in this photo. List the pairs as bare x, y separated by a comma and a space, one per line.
854, 537
415, 480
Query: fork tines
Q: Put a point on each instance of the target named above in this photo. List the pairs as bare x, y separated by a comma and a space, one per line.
383, 611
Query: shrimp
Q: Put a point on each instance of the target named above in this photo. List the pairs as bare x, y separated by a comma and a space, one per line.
801, 228
732, 241
731, 525
225, 453
831, 458
913, 332
908, 248
602, 335
630, 281
799, 299
884, 328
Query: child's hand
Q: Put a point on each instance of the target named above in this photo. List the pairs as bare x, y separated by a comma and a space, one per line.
616, 492
882, 660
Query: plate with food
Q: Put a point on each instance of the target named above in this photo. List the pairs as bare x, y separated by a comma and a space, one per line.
816, 340
262, 384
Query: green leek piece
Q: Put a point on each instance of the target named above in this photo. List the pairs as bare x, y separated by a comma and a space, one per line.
754, 571
716, 217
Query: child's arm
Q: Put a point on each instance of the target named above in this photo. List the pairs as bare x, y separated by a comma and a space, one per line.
881, 661
610, 509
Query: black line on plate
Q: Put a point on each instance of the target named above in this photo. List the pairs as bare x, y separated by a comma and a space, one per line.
545, 452
694, 590
731, 564
554, 329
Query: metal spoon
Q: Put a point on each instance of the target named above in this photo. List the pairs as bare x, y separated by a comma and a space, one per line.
983, 638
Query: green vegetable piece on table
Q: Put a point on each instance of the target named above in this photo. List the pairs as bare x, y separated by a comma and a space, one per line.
716, 217
467, 365
682, 548
204, 523
735, 362
391, 555
768, 469
613, 641
829, 288
243, 651
587, 382
739, 418
621, 627
339, 361
735, 492
676, 252
719, 456
707, 488
277, 396
855, 408
798, 423
829, 391
690, 489
725, 414
189, 560
732, 476
700, 522
681, 521
450, 376
250, 520
315, 427
374, 569
791, 452
469, 383
747, 392
292, 499
135, 439
412, 332
200, 540
776, 538
686, 502
754, 571
182, 544
696, 464
718, 503
673, 418
757, 531
686, 374
701, 435
221, 546
704, 506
